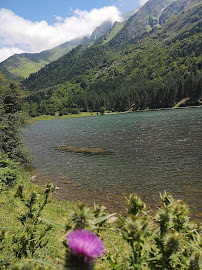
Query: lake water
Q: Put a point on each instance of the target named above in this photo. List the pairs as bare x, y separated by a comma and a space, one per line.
153, 151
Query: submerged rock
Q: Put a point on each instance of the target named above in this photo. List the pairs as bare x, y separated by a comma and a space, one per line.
84, 150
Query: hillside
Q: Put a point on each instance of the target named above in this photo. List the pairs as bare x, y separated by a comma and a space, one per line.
154, 14
158, 69
20, 66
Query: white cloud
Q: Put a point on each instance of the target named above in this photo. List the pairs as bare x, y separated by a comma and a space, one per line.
59, 18
19, 35
129, 5
142, 2
7, 52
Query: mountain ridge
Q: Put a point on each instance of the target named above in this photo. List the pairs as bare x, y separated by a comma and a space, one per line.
156, 70
77, 52
20, 66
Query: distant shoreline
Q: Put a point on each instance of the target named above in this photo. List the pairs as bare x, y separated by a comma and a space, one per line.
90, 114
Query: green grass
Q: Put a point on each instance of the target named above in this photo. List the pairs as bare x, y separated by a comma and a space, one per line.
24, 66
119, 250
133, 240
82, 114
50, 117
54, 212
113, 32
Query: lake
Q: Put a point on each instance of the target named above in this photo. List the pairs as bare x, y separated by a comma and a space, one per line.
152, 151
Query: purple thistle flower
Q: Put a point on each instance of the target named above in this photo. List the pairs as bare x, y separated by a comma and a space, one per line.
85, 244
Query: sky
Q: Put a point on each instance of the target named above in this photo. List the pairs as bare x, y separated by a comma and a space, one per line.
38, 25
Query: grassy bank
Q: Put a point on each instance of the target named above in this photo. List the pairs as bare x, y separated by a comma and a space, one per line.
82, 114
15, 234
50, 117
89, 114
33, 229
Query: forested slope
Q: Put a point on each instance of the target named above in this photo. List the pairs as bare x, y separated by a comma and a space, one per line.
158, 69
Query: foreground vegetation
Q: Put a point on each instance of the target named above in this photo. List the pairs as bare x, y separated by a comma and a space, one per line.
33, 230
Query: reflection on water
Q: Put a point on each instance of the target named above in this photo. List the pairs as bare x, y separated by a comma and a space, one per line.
153, 151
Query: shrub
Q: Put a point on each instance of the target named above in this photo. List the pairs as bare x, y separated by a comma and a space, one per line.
9, 171
12, 119
31, 235
102, 110
75, 111
167, 240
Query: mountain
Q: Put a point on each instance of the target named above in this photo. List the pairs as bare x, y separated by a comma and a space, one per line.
154, 14
130, 13
101, 30
130, 67
20, 66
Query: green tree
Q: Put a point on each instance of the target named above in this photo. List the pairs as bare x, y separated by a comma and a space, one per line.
102, 110
12, 119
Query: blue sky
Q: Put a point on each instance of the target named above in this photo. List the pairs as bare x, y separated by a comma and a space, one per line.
34, 26
38, 10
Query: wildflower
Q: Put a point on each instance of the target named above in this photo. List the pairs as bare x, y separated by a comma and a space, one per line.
85, 244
